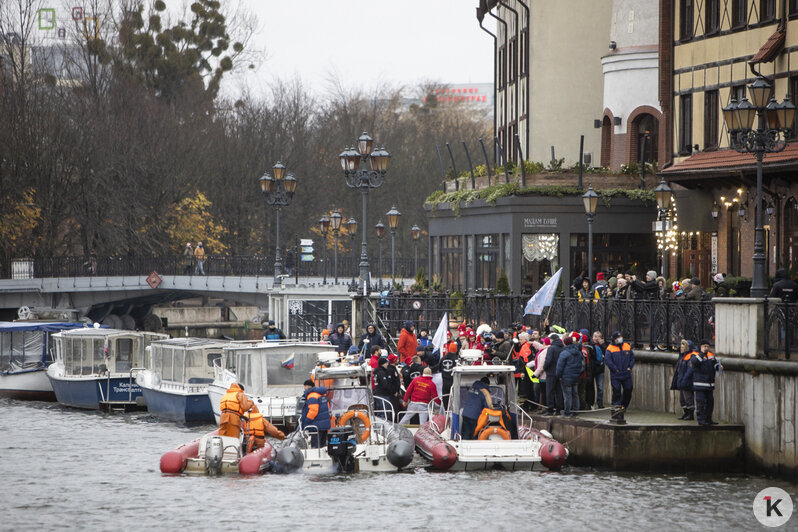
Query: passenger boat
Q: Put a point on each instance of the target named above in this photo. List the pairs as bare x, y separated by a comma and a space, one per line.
272, 374
357, 441
503, 442
175, 386
216, 455
25, 353
94, 367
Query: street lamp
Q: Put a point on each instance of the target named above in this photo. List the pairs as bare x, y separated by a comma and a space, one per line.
415, 232
351, 227
393, 222
664, 195
590, 199
373, 177
324, 225
335, 222
380, 229
278, 192
775, 121
715, 210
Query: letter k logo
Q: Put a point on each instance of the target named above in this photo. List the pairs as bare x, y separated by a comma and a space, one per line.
772, 506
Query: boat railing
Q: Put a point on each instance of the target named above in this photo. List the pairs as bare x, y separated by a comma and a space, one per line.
523, 414
130, 383
431, 407
386, 407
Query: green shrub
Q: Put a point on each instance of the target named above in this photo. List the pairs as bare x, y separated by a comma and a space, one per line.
502, 283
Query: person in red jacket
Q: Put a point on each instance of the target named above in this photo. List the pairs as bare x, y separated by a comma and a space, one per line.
407, 343
420, 392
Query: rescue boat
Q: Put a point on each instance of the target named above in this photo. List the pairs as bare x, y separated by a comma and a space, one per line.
358, 440
272, 374
505, 437
216, 455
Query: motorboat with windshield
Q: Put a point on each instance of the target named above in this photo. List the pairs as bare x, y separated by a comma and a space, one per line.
25, 353
504, 437
175, 386
94, 368
272, 374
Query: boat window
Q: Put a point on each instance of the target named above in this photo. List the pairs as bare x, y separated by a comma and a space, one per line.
212, 357
230, 360
497, 395
341, 400
166, 364
5, 351
98, 355
73, 364
17, 347
179, 364
124, 354
277, 374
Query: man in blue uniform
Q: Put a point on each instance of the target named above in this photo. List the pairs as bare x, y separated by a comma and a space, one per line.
620, 360
316, 413
477, 399
704, 365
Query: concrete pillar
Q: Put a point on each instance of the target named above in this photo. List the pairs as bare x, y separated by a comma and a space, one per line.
740, 326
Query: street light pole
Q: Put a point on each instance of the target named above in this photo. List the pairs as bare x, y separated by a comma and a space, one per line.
351, 226
590, 200
324, 225
774, 124
664, 194
380, 228
415, 232
351, 160
278, 191
335, 221
393, 222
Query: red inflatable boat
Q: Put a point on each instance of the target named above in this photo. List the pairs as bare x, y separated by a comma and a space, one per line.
214, 455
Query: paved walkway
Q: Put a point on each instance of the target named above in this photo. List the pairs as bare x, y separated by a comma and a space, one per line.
639, 417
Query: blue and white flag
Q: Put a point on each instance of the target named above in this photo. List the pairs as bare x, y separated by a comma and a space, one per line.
440, 334
543, 297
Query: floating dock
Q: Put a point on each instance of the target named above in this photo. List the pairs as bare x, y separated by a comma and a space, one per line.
650, 441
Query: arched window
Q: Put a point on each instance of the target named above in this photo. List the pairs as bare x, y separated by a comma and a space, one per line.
790, 253
606, 142
644, 126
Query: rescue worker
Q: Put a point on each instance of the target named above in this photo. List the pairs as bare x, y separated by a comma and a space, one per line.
477, 399
620, 360
418, 395
315, 413
683, 379
704, 366
410, 372
408, 345
232, 406
256, 427
272, 332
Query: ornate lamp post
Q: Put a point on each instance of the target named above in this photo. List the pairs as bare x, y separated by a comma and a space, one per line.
590, 199
335, 221
415, 232
351, 227
278, 192
664, 194
380, 230
775, 121
393, 222
324, 225
374, 177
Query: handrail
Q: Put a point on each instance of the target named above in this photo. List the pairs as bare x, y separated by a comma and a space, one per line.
130, 384
524, 413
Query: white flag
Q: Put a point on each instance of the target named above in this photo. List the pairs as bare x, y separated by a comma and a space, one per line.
543, 297
440, 335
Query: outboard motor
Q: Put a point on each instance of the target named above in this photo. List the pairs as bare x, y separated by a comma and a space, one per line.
214, 451
341, 446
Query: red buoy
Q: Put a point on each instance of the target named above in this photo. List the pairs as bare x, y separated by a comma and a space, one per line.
552, 454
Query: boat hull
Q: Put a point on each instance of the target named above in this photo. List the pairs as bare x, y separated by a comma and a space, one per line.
97, 393
180, 407
188, 458
30, 385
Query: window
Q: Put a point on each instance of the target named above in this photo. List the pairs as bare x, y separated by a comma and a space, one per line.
711, 119
502, 67
686, 124
452, 262
685, 19
487, 260
738, 92
793, 7
767, 10
739, 13
712, 22
524, 51
513, 67
792, 94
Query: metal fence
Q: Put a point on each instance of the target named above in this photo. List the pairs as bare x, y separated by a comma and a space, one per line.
656, 324
219, 265
781, 327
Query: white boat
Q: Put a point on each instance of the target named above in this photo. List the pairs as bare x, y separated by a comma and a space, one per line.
175, 386
25, 353
505, 440
272, 374
358, 441
94, 368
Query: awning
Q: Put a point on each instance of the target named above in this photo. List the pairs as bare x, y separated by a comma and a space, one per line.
694, 208
772, 46
725, 161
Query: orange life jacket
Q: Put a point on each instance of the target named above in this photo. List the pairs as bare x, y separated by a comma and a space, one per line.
486, 416
230, 403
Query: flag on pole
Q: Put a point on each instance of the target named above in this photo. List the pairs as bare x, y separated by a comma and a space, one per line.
288, 363
543, 297
440, 334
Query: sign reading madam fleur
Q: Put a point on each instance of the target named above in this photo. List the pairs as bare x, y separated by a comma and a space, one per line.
540, 222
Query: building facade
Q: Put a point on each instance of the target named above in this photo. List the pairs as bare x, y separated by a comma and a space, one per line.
710, 52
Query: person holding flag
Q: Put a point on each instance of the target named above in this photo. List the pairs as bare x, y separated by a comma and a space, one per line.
543, 297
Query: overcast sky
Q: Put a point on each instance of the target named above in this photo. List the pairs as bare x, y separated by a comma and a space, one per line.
368, 42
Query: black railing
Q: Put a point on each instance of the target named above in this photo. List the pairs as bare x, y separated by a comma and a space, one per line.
781, 329
219, 265
656, 324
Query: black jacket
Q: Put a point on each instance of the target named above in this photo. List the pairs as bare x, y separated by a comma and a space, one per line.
784, 288
552, 356
386, 381
374, 339
411, 372
646, 290
448, 364
502, 350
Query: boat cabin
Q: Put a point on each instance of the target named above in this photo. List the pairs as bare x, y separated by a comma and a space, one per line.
25, 346
96, 351
347, 386
501, 387
185, 362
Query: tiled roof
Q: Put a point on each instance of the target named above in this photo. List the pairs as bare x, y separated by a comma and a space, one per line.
771, 48
726, 160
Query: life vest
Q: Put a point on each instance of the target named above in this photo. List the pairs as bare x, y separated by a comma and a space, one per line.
230, 404
255, 426
489, 415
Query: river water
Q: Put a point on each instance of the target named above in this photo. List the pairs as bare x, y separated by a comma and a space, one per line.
69, 469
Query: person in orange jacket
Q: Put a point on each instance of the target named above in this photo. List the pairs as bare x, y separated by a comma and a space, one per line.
408, 344
256, 427
233, 406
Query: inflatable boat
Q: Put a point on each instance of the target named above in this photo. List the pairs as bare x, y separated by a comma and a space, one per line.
216, 455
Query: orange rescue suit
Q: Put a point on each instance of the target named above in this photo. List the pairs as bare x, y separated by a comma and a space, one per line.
256, 427
233, 405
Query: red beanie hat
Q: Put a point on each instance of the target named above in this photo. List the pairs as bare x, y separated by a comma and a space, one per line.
600, 276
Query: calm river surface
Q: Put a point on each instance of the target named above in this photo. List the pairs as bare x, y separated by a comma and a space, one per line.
63, 468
